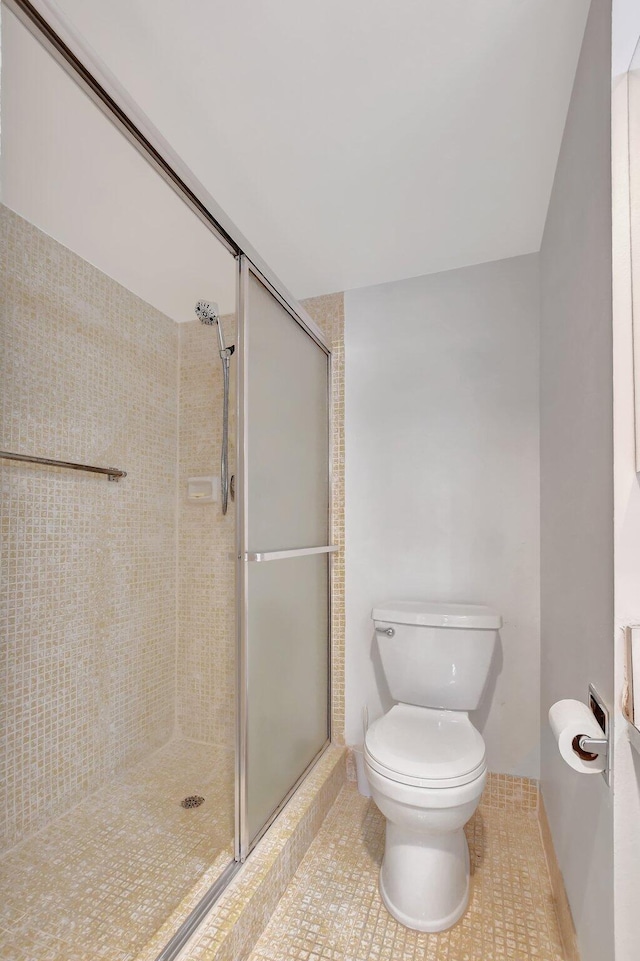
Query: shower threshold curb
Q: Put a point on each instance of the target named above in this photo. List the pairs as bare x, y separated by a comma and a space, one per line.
238, 917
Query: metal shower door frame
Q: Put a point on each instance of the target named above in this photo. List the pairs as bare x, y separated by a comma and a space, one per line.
244, 844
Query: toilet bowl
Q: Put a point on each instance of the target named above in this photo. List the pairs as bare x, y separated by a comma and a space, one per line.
424, 759
424, 878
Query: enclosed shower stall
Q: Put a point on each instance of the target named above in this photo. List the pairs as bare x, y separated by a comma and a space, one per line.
166, 528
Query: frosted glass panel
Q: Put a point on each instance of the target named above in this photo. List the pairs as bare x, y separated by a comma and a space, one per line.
287, 411
286, 624
288, 677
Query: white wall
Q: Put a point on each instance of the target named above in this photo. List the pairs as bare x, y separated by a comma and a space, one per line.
576, 468
626, 32
448, 116
442, 476
66, 169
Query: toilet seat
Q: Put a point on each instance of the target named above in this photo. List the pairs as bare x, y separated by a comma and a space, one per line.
425, 747
433, 783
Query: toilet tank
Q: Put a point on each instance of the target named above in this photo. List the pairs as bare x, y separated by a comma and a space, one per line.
436, 655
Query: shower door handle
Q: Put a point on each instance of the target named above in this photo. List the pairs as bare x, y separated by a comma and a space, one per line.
258, 557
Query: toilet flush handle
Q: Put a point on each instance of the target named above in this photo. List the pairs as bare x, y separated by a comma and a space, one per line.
389, 631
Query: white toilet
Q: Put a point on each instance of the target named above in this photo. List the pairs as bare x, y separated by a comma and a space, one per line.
424, 759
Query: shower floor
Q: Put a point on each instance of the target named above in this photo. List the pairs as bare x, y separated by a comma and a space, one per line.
99, 881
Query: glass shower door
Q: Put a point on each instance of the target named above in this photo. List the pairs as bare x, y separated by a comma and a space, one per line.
283, 552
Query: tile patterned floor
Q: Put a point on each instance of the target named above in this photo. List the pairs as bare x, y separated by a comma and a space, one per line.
99, 881
332, 910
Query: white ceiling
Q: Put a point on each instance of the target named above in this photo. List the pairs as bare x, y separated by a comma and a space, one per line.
69, 171
356, 141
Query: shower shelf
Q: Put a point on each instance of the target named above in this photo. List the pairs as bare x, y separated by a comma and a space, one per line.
112, 472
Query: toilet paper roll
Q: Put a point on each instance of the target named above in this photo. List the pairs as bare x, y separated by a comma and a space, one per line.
569, 719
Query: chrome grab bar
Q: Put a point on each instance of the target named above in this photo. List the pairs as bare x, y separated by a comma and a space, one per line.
260, 556
112, 472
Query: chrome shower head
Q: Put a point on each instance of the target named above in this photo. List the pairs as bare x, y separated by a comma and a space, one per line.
207, 312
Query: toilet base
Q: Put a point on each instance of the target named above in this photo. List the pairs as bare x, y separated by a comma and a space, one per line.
424, 882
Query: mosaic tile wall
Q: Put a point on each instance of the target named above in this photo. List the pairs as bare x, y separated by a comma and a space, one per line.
206, 543
506, 792
89, 374
328, 313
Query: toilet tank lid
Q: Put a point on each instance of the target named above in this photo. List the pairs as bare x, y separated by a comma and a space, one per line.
432, 614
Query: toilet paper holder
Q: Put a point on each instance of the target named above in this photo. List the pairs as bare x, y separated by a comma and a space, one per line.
589, 748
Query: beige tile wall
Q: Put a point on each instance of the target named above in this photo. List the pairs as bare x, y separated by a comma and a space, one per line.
328, 313
206, 543
88, 620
